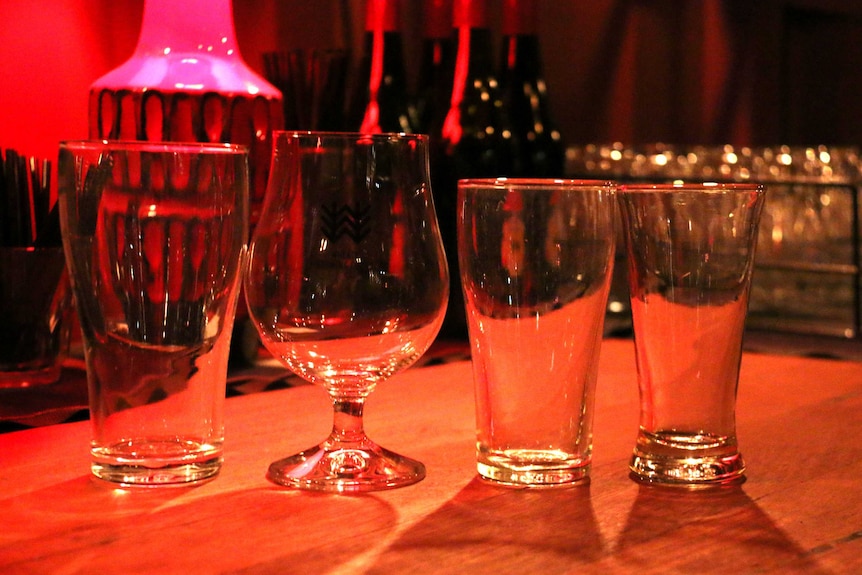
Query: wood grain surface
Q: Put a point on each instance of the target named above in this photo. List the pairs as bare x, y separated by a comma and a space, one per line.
800, 510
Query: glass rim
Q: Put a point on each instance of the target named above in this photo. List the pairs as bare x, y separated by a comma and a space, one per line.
700, 187
503, 183
184, 147
347, 135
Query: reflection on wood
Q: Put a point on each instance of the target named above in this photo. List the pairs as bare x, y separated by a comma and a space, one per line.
799, 510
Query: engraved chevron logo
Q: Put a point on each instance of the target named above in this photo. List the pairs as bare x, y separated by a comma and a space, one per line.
353, 222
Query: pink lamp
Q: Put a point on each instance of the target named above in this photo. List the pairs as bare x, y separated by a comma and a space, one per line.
187, 81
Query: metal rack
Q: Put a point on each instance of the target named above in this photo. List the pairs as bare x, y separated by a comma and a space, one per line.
808, 267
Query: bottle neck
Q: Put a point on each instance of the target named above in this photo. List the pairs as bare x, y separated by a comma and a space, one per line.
520, 49
470, 13
190, 26
383, 50
472, 34
473, 52
472, 62
521, 52
381, 15
519, 17
383, 98
437, 19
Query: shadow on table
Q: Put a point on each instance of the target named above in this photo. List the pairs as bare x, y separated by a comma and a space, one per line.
83, 525
671, 530
488, 529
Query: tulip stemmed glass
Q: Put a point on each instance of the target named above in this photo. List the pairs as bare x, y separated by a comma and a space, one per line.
347, 284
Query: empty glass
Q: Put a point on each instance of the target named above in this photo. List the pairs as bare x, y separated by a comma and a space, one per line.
154, 236
347, 285
690, 251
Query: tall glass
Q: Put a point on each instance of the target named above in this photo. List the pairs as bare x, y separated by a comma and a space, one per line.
690, 250
536, 261
347, 285
154, 235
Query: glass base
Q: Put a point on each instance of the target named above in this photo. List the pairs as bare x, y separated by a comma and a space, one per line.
673, 458
346, 469
156, 462
531, 468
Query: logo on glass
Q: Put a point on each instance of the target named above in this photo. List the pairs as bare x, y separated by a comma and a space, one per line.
343, 220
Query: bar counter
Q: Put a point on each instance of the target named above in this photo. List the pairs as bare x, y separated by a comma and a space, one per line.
800, 510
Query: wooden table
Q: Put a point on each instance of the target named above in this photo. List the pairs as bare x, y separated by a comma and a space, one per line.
800, 429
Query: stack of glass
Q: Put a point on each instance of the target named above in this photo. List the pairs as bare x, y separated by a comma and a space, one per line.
807, 271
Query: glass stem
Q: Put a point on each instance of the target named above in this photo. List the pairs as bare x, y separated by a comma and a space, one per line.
347, 425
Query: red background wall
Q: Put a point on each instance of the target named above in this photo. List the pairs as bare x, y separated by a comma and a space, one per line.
637, 71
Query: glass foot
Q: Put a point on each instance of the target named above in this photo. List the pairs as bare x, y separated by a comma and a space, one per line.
346, 469
157, 461
693, 472
535, 468
694, 459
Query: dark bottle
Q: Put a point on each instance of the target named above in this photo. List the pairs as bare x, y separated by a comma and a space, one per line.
476, 130
476, 139
434, 83
525, 94
381, 102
